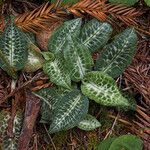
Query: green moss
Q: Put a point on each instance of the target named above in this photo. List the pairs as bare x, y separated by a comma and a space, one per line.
92, 142
59, 139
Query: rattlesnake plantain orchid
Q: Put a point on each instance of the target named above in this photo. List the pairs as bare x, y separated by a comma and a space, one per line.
77, 78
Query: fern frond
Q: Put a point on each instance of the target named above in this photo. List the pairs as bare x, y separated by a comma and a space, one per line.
105, 11
39, 18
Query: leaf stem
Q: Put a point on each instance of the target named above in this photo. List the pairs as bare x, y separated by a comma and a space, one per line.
50, 137
13, 84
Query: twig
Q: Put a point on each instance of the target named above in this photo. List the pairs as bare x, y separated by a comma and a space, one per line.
13, 84
19, 88
121, 120
13, 110
139, 29
31, 114
50, 137
114, 123
58, 3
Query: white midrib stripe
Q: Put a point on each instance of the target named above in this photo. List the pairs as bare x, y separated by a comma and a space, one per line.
16, 122
12, 145
60, 46
11, 52
69, 110
96, 88
69, 31
80, 66
50, 106
57, 69
93, 35
116, 55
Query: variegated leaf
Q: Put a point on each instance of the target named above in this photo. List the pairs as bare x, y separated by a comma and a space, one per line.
35, 59
117, 55
72, 108
58, 38
4, 64
131, 100
7, 142
14, 47
58, 72
78, 59
50, 98
95, 34
102, 88
4, 117
89, 123
30, 37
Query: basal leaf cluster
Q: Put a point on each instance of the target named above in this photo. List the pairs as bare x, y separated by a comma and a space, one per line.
80, 79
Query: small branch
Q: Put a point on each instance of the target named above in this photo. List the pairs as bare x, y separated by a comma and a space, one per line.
114, 123
13, 84
37, 76
50, 138
58, 3
31, 114
13, 111
121, 120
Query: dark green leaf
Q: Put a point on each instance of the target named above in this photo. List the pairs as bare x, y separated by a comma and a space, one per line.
70, 111
95, 34
117, 55
59, 36
78, 59
4, 64
14, 48
131, 100
58, 72
50, 98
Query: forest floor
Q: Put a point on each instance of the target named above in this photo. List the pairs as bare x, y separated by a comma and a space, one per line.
135, 80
